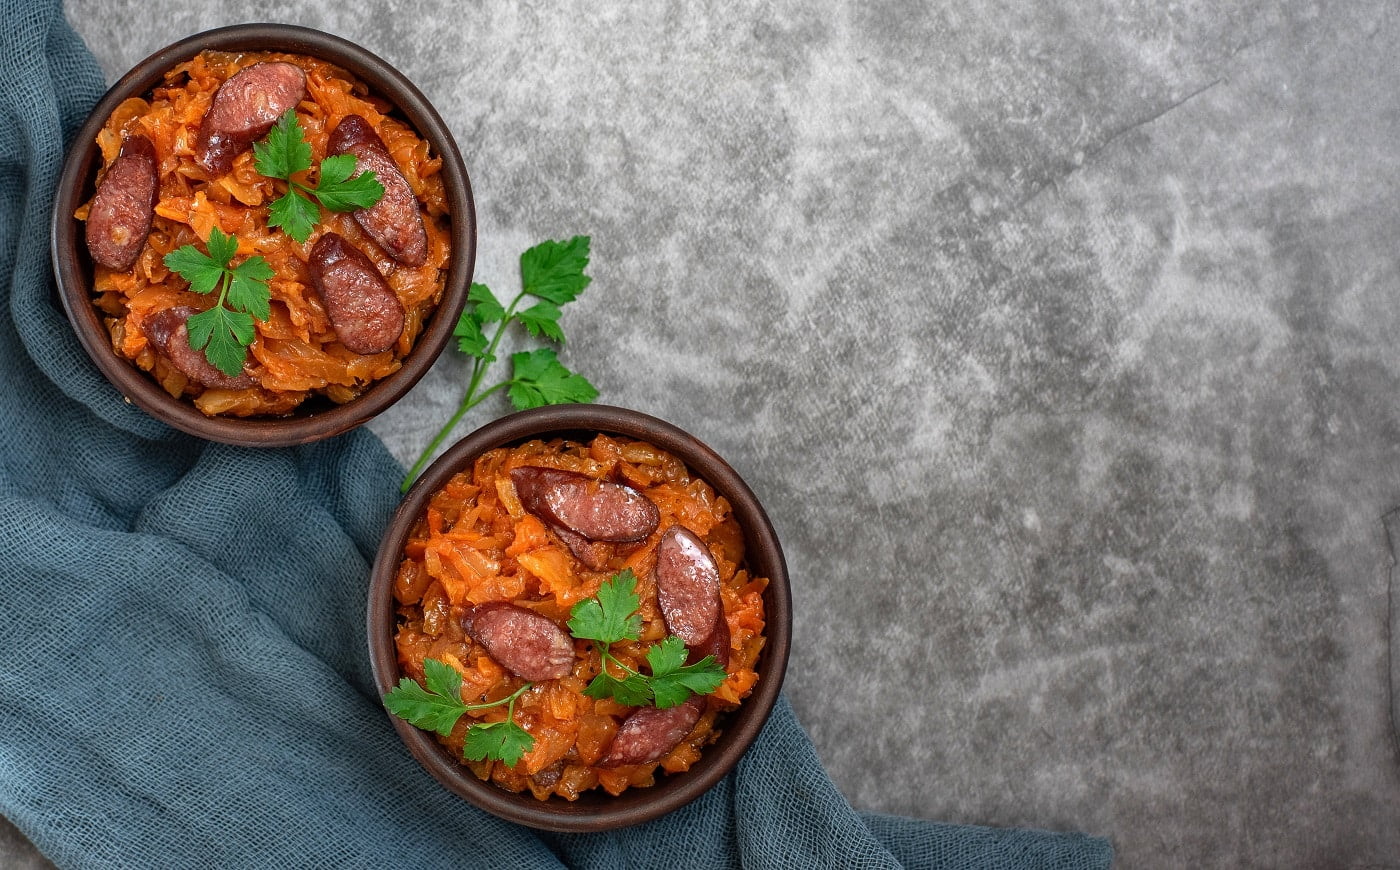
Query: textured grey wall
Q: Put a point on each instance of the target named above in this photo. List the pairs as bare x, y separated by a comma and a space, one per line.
1058, 338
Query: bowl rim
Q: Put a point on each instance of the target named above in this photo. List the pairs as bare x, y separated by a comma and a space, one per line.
595, 810
72, 264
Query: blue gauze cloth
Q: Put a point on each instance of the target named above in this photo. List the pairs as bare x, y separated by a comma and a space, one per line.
183, 674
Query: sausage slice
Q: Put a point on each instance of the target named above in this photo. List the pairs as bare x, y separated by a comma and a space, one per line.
528, 644
119, 219
716, 644
687, 588
596, 509
364, 312
648, 734
394, 222
244, 108
166, 332
593, 554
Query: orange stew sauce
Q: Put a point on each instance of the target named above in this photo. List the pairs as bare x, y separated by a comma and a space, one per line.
295, 354
477, 544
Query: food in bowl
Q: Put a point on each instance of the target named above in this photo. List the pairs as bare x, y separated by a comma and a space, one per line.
514, 593
346, 284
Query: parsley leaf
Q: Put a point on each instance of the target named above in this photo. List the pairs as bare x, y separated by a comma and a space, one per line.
247, 289
481, 308
672, 680
484, 303
285, 153
667, 656
540, 379
224, 337
223, 333
542, 319
632, 690
221, 247
295, 214
611, 615
202, 271
438, 706
470, 339
499, 741
338, 190
552, 273
443, 679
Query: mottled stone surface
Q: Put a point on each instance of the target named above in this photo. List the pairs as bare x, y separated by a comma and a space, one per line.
1059, 339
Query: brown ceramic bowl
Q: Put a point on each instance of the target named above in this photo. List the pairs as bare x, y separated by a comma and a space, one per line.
318, 417
594, 810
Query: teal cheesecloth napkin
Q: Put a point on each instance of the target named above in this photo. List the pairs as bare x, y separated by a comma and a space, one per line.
183, 676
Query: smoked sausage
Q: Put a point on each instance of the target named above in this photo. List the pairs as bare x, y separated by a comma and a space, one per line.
648, 733
715, 644
244, 108
688, 590
596, 509
364, 312
125, 203
593, 554
166, 332
528, 644
394, 222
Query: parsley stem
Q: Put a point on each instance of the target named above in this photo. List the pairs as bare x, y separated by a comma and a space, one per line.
609, 657
223, 288
467, 404
479, 372
507, 700
470, 400
510, 704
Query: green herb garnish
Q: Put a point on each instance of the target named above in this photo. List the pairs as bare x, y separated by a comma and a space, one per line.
673, 681
551, 273
285, 153
223, 333
438, 707
611, 617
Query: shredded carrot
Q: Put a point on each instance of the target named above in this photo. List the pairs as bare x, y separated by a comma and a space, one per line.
295, 354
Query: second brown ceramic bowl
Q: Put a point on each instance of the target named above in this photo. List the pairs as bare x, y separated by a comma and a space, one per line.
595, 810
316, 418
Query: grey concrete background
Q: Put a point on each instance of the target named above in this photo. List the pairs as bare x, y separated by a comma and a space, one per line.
1059, 339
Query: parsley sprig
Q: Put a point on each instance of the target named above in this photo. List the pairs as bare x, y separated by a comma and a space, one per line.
438, 707
611, 617
552, 274
285, 153
223, 333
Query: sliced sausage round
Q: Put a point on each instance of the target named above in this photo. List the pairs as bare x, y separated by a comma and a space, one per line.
364, 312
593, 554
395, 221
687, 588
648, 734
119, 219
716, 644
166, 332
528, 644
244, 108
598, 510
